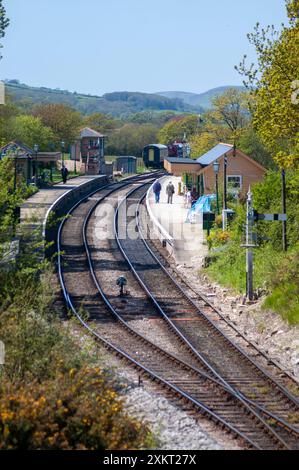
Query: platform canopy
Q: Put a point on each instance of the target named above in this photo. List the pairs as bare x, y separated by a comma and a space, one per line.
22, 151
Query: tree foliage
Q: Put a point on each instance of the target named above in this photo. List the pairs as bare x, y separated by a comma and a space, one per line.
103, 123
4, 22
131, 138
64, 121
229, 116
10, 198
274, 84
201, 143
30, 131
250, 143
177, 128
8, 111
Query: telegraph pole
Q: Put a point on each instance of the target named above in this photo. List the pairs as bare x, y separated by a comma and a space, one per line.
284, 211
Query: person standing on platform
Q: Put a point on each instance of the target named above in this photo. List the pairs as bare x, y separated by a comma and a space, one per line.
64, 173
170, 192
157, 190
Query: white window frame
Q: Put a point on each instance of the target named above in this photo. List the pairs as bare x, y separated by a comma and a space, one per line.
240, 179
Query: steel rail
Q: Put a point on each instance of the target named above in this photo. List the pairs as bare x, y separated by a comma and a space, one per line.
199, 312
244, 400
201, 296
272, 380
141, 367
225, 386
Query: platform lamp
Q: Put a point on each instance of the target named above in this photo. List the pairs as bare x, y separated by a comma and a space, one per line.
16, 156
62, 151
36, 149
216, 167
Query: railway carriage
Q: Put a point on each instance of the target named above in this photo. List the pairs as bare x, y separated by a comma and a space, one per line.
154, 154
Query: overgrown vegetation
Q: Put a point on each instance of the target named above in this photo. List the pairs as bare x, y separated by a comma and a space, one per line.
12, 191
4, 22
52, 395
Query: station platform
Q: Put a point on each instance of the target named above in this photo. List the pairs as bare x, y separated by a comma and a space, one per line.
40, 214
35, 208
185, 241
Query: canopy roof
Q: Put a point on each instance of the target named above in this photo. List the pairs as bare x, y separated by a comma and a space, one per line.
215, 153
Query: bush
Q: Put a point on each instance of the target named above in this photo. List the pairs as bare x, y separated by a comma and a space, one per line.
284, 297
52, 395
76, 410
218, 238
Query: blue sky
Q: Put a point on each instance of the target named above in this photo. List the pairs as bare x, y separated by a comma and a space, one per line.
99, 46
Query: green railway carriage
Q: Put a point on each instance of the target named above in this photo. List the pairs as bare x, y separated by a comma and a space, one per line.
154, 155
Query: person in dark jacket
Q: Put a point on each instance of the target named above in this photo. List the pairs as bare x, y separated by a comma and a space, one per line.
64, 173
170, 192
157, 190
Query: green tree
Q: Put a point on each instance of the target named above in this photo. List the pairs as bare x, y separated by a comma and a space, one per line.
177, 127
130, 139
251, 144
4, 22
274, 83
64, 121
9, 197
103, 123
230, 114
8, 111
201, 143
157, 118
30, 130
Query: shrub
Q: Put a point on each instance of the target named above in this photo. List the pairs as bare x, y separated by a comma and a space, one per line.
51, 396
218, 238
77, 410
284, 297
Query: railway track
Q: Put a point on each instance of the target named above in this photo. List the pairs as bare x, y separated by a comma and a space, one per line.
215, 351
195, 387
285, 378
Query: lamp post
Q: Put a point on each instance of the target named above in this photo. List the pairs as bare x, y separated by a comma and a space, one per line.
75, 166
216, 167
225, 182
15, 171
29, 158
62, 150
36, 149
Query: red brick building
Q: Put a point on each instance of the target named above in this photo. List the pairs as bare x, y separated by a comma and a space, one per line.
89, 150
242, 171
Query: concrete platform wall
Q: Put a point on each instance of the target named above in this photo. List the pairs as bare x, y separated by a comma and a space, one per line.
61, 206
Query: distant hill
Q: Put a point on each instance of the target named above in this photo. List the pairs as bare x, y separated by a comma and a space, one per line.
118, 104
198, 100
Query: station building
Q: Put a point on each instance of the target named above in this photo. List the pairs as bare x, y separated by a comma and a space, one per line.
242, 171
28, 163
89, 151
